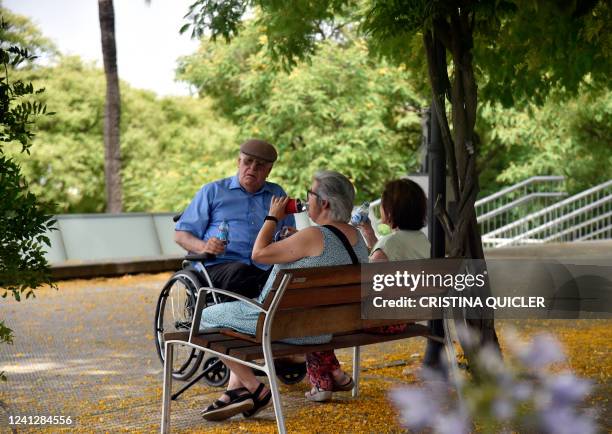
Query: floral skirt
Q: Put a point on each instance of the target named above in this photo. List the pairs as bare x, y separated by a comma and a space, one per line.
320, 366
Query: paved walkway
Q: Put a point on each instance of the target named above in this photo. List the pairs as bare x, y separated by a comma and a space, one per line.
87, 351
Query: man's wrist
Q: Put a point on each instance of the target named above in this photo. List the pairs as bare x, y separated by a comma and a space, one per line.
271, 218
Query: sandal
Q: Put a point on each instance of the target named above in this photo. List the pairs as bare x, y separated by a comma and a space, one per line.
318, 395
346, 386
240, 401
259, 403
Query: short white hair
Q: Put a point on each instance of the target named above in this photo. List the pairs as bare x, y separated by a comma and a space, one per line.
338, 191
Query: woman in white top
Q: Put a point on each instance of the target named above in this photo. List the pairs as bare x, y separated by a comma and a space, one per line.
403, 207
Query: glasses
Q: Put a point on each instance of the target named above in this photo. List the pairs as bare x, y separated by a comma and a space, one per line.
258, 164
308, 192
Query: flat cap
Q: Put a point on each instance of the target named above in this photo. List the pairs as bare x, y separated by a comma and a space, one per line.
259, 149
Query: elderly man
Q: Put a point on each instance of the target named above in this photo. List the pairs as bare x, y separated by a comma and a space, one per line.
243, 201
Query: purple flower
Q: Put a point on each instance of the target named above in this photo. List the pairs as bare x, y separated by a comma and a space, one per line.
566, 421
467, 336
435, 383
542, 351
567, 389
417, 407
503, 409
490, 360
451, 423
522, 391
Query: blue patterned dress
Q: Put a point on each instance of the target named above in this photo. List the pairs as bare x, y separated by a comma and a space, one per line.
243, 317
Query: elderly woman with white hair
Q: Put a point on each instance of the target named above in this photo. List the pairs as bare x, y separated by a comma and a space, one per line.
330, 202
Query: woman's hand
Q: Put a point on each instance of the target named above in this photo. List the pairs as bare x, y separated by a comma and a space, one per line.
368, 233
277, 207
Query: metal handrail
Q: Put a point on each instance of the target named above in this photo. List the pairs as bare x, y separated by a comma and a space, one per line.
570, 218
514, 187
579, 226
557, 221
597, 232
551, 208
524, 199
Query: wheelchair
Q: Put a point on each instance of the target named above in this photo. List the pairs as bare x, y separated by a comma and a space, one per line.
174, 312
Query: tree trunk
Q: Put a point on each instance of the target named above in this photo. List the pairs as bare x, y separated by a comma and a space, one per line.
455, 33
112, 111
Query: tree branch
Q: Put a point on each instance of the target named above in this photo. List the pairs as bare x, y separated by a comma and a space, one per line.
443, 217
438, 97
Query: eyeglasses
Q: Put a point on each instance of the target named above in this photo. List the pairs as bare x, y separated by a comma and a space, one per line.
257, 164
308, 192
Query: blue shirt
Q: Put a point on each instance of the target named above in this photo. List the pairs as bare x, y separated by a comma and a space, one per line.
225, 199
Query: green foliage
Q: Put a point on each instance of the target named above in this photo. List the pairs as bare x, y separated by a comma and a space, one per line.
526, 54
170, 146
562, 137
19, 31
341, 110
523, 49
23, 221
292, 32
529, 49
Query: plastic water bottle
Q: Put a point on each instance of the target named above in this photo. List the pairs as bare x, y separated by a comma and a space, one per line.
361, 215
223, 233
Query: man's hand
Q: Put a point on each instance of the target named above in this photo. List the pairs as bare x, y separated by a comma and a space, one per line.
214, 245
287, 231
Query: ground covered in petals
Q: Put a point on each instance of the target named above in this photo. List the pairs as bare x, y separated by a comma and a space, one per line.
87, 351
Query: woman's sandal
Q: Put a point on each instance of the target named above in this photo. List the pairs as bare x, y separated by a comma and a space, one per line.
259, 403
240, 401
318, 395
346, 386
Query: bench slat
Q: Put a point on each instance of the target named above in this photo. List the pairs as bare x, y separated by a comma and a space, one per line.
249, 351
279, 349
313, 321
321, 276
205, 339
227, 346
184, 335
321, 296
320, 320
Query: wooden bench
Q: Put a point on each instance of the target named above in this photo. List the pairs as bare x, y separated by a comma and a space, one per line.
302, 302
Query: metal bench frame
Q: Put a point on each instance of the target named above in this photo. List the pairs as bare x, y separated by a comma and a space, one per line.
266, 343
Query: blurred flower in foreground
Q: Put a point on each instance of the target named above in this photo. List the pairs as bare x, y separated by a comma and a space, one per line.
501, 397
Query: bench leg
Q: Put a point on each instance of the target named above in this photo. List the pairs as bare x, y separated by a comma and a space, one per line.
356, 369
276, 400
167, 390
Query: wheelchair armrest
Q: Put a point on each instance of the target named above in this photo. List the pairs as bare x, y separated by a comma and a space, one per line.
200, 257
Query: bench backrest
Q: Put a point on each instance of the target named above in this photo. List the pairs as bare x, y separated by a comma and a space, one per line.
326, 300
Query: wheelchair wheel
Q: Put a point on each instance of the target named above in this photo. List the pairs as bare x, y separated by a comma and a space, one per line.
291, 374
218, 375
174, 312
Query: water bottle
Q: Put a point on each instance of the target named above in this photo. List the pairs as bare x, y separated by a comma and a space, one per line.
282, 234
361, 215
223, 233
